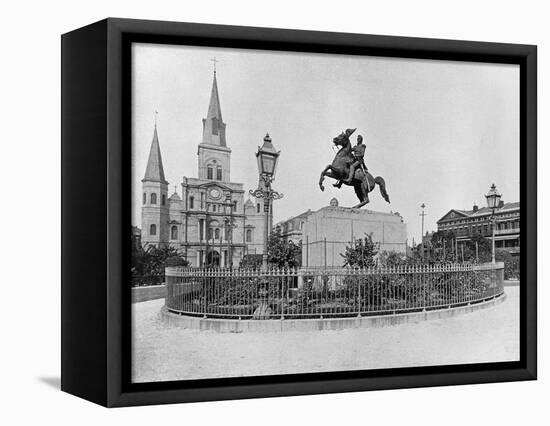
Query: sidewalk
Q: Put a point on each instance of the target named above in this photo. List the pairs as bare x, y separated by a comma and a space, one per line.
163, 352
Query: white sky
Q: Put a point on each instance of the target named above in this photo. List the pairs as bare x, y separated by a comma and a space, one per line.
438, 132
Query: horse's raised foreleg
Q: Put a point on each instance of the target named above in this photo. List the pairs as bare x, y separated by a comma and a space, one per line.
322, 178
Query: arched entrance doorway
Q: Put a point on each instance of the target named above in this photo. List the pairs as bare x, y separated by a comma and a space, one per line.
213, 258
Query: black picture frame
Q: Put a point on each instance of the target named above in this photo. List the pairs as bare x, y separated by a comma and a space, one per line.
96, 211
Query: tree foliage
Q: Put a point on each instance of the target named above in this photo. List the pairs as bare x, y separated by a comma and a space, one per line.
442, 247
361, 253
392, 258
251, 261
148, 263
283, 253
511, 263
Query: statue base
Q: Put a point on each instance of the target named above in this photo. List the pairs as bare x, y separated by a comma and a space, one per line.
327, 232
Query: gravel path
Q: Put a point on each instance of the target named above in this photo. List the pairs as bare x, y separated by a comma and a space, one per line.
162, 352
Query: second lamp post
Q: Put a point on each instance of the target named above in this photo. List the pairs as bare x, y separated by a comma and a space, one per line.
493, 202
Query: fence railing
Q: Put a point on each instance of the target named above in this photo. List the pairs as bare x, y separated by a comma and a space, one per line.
318, 293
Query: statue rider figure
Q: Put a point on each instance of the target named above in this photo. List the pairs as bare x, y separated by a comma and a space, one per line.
359, 154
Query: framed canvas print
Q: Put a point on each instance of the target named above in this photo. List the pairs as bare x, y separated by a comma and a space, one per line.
253, 212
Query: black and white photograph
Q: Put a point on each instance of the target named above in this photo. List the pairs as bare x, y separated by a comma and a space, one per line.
284, 213
298, 212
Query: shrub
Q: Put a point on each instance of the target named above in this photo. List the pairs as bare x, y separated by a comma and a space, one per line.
361, 253
176, 261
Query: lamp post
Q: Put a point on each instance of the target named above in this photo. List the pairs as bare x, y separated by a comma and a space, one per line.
267, 157
229, 225
493, 200
423, 214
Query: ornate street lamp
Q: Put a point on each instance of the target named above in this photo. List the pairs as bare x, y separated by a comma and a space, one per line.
493, 201
267, 157
229, 226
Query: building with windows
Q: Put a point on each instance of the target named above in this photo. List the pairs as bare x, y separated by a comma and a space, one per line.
291, 229
466, 223
210, 223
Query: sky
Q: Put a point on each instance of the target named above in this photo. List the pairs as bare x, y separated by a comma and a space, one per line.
438, 132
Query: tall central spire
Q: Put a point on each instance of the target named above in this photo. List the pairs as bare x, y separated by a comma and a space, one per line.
213, 125
214, 108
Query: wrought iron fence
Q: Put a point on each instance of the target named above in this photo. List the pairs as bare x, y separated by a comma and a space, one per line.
318, 293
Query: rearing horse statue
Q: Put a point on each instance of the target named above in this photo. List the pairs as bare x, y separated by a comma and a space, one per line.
362, 182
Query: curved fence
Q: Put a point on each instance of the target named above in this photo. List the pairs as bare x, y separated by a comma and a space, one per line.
318, 293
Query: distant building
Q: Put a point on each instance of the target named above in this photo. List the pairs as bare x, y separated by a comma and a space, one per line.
210, 224
291, 229
466, 223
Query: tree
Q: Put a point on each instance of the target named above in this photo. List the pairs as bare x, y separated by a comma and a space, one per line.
283, 253
176, 261
361, 253
392, 258
511, 263
484, 248
442, 247
148, 263
251, 261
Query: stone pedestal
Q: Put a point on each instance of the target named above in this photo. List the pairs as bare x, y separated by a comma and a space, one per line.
328, 231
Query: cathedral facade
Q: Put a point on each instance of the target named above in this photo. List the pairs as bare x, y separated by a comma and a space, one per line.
210, 223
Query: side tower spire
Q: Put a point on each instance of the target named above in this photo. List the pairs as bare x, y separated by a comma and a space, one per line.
155, 170
154, 209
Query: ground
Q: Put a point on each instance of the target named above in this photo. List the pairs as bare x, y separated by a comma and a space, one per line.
162, 352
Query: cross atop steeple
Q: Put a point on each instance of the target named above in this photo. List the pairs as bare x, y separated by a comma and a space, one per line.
214, 60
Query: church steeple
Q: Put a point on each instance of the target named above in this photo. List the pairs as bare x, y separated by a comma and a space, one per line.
214, 108
214, 156
155, 169
213, 125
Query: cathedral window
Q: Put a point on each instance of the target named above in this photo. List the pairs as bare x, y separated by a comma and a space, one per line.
210, 172
163, 199
144, 198
218, 173
174, 233
153, 198
235, 205
191, 202
249, 235
217, 233
214, 208
153, 229
258, 208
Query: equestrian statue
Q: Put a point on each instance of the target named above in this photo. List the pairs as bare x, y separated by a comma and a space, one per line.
348, 168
